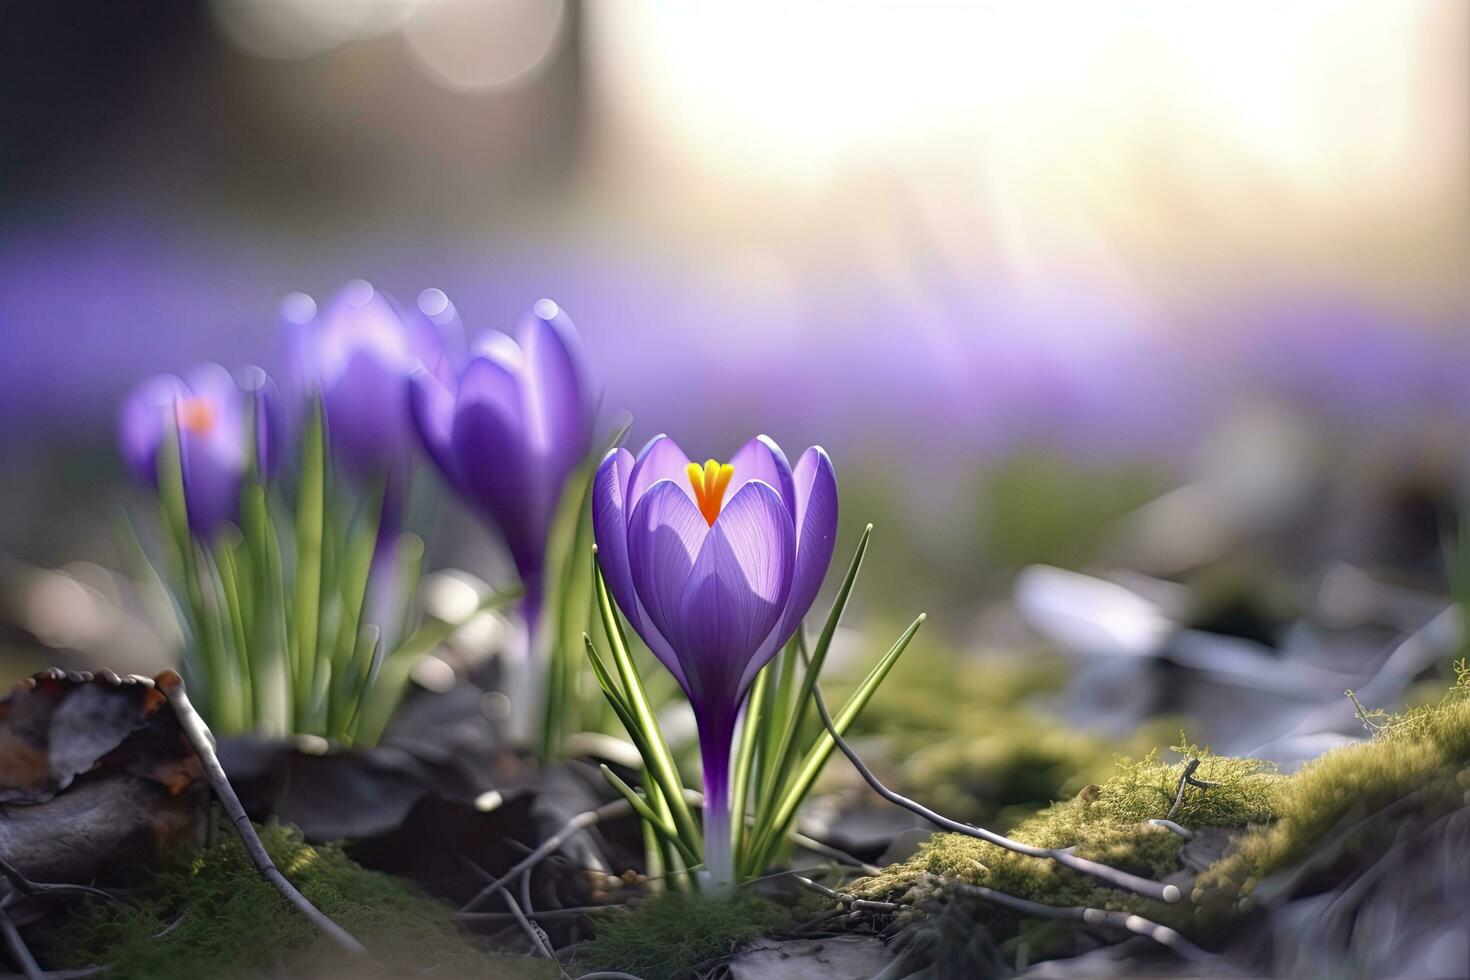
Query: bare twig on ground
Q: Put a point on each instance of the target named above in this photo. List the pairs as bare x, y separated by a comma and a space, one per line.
550, 846
851, 901
538, 940
26, 886
1160, 934
1112, 876
1170, 825
1187, 778
202, 741
16, 946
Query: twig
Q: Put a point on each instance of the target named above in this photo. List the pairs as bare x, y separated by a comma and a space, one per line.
832, 853
1170, 825
851, 901
1362, 713
26, 886
536, 938
1160, 934
16, 946
549, 846
198, 734
566, 913
1062, 856
1187, 778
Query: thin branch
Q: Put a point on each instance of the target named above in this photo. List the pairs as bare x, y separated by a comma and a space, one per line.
550, 846
1187, 778
1170, 825
1160, 934
832, 853
26, 886
537, 941
565, 913
851, 901
1062, 856
202, 741
16, 946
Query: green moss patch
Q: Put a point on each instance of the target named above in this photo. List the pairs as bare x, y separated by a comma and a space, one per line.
219, 919
1417, 758
668, 937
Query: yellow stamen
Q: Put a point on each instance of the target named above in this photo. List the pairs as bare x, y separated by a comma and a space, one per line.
196, 415
710, 482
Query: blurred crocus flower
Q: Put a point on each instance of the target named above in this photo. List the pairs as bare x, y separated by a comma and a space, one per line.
358, 352
715, 566
212, 413
509, 430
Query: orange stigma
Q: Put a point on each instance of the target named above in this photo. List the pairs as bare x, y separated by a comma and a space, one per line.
196, 415
709, 482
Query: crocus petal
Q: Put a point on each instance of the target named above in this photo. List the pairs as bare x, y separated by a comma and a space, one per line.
610, 528
145, 416
761, 459
736, 592
665, 533
367, 413
610, 531
487, 444
660, 459
558, 416
431, 405
816, 534
212, 454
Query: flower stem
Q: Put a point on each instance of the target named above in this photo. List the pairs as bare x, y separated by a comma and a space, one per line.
716, 731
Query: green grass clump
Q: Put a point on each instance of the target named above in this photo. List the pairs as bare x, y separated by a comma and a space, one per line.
665, 938
231, 923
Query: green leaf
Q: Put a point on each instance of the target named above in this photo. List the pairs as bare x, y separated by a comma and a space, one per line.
270, 653
755, 708
774, 783
388, 677
770, 833
665, 830
310, 519
355, 570
661, 765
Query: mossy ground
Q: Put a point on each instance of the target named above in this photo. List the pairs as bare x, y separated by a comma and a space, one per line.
231, 923
1277, 820
667, 937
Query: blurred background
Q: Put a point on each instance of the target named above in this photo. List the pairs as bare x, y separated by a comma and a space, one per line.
1170, 295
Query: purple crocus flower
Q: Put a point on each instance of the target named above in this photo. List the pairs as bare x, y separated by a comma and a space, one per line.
715, 588
358, 351
210, 411
509, 430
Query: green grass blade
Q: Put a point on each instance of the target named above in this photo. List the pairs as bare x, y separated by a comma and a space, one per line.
661, 765
774, 784
274, 701
755, 708
388, 677
770, 833
224, 557
355, 570
665, 830
310, 518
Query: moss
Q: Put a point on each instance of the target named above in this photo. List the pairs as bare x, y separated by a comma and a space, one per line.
1418, 756
231, 923
1422, 752
667, 937
1104, 823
